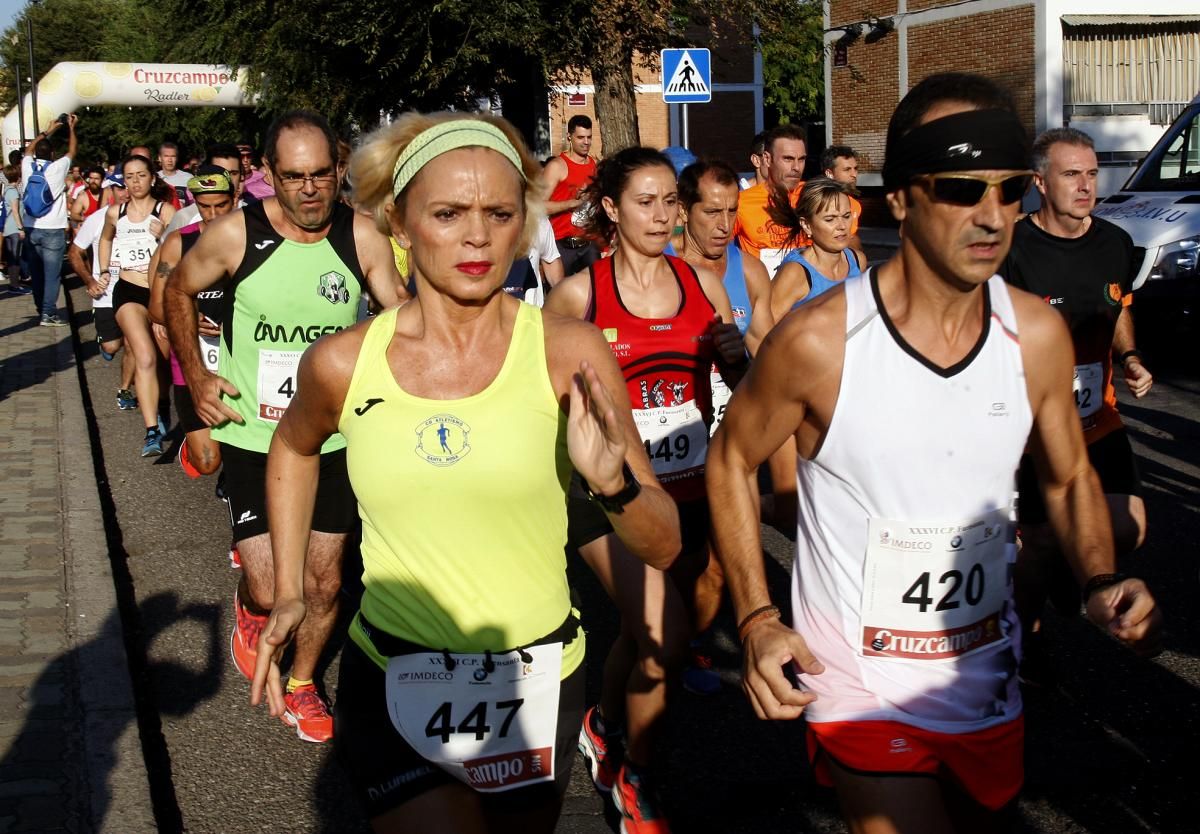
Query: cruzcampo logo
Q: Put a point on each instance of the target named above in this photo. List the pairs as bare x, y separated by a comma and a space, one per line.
332, 288
443, 440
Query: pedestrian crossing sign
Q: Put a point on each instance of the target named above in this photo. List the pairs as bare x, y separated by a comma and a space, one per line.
687, 76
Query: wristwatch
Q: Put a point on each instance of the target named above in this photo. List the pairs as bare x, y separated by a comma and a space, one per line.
1130, 354
616, 503
1099, 582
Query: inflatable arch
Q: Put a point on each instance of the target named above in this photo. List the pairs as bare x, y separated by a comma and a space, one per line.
71, 85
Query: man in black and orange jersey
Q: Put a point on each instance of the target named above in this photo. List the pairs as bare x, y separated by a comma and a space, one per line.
565, 177
1083, 266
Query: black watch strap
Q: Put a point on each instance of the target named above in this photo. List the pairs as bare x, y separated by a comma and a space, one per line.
616, 503
1101, 581
1131, 354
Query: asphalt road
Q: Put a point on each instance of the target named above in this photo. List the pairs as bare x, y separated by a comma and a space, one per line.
1111, 749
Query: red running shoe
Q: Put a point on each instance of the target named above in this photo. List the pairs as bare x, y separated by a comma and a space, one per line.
186, 463
305, 709
243, 642
637, 804
594, 745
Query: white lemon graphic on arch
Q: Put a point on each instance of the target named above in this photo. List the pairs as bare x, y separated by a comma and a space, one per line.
88, 84
51, 83
204, 93
118, 70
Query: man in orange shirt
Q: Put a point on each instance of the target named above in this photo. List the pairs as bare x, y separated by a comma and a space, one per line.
785, 153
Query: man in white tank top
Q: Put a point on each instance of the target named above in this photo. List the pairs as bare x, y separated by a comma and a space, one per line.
911, 392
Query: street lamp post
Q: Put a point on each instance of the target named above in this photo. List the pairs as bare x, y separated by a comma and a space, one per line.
32, 75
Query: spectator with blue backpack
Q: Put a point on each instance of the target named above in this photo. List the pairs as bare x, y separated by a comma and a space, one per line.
44, 210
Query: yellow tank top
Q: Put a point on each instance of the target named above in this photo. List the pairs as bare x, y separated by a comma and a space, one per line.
463, 502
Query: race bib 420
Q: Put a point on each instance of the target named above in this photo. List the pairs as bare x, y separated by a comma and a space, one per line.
934, 591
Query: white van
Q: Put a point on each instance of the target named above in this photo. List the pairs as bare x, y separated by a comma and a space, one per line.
1160, 208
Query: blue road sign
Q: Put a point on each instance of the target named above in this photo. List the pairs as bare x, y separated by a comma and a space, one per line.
687, 76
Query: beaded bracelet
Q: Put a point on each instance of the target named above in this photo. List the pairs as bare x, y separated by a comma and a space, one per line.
756, 616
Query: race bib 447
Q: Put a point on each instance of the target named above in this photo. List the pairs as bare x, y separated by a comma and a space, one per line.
489, 721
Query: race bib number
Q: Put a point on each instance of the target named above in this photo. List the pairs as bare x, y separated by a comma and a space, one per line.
495, 730
675, 437
136, 255
1089, 388
210, 348
934, 591
276, 382
720, 398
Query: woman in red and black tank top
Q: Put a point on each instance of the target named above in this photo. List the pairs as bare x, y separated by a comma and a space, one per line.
666, 326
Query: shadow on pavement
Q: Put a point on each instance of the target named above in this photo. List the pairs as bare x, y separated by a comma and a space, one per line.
62, 738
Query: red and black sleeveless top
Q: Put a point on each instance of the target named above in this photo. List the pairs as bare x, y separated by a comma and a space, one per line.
666, 364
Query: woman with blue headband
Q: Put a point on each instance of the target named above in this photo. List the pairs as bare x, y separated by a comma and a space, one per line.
464, 411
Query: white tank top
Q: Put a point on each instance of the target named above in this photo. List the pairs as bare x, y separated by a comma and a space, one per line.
902, 580
134, 243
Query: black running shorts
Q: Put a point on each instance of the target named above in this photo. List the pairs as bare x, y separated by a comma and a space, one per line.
246, 488
105, 319
129, 293
386, 772
1111, 456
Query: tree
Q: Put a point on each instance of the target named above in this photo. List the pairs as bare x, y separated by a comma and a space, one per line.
360, 60
793, 65
133, 30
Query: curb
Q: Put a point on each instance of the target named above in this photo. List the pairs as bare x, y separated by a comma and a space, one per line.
114, 764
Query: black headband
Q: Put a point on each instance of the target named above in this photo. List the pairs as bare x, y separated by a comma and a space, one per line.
973, 140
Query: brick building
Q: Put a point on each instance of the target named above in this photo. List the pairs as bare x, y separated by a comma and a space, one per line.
721, 129
1088, 63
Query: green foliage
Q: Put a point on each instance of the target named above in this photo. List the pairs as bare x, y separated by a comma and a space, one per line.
132, 30
793, 69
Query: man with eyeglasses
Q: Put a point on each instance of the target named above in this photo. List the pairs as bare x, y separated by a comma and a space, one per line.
296, 265
1083, 267
911, 392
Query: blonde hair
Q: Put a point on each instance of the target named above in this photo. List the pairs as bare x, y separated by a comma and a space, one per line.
373, 163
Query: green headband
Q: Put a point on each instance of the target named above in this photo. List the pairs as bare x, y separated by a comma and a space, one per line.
449, 136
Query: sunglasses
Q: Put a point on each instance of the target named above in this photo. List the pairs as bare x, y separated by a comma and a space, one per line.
970, 189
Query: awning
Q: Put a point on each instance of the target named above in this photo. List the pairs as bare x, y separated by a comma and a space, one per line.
1128, 19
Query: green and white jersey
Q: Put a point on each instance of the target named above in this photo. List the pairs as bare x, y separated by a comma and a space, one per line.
283, 297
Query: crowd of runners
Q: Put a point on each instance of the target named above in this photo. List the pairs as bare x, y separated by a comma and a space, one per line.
474, 367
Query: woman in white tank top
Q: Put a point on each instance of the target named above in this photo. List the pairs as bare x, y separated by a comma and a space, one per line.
131, 234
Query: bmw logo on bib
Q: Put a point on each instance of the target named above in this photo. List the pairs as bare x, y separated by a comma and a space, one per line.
442, 440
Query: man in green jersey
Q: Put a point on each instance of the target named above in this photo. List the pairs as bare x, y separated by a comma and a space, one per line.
294, 267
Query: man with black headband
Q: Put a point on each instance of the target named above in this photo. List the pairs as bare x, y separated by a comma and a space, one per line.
296, 266
904, 638
1083, 266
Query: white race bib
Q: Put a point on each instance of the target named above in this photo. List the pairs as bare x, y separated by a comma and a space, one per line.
210, 349
494, 731
934, 591
1089, 388
675, 437
721, 394
276, 382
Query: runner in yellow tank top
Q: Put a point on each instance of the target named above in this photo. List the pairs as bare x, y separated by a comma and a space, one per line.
461, 692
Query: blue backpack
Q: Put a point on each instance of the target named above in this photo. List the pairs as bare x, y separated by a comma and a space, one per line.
38, 199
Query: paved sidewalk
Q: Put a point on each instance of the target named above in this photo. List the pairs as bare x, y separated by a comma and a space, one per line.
72, 756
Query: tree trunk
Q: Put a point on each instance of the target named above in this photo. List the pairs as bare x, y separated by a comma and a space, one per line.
616, 104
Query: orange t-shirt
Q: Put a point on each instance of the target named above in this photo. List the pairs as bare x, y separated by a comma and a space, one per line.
755, 229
